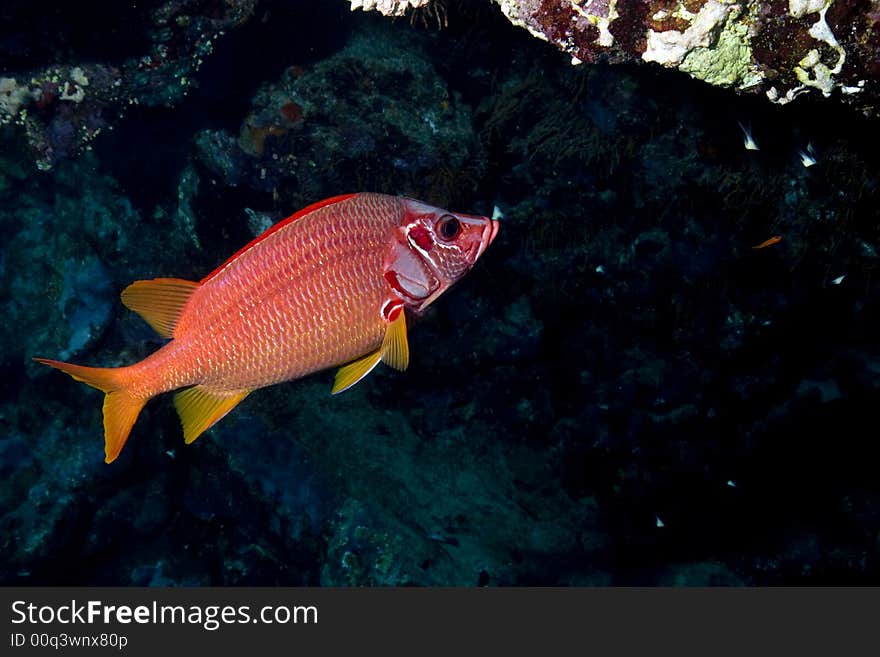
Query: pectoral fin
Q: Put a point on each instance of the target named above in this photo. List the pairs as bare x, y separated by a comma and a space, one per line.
394, 352
395, 348
200, 408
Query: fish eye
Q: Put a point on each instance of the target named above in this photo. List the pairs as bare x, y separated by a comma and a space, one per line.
449, 227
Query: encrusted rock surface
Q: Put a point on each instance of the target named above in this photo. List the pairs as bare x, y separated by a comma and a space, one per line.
388, 7
777, 48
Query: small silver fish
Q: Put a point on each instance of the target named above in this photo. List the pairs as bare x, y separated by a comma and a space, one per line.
808, 156
748, 140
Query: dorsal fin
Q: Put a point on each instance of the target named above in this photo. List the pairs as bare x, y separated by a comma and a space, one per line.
276, 227
159, 301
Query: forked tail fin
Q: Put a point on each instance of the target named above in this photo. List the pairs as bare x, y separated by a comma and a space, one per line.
121, 408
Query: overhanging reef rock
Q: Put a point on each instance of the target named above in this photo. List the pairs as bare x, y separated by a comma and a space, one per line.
779, 48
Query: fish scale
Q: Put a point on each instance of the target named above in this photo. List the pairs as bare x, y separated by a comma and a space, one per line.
325, 287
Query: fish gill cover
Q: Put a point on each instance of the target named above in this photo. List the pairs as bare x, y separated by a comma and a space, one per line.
625, 390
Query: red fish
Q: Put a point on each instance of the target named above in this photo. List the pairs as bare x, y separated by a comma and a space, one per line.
776, 239
328, 286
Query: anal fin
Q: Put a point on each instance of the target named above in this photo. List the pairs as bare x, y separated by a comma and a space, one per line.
348, 375
200, 408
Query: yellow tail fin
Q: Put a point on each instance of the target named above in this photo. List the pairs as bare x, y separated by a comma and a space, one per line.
121, 408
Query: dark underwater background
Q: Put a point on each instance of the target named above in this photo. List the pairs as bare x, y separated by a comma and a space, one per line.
622, 392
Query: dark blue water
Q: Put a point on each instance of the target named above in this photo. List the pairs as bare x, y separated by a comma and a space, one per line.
622, 391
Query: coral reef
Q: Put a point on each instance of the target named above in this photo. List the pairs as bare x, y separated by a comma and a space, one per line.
302, 140
388, 7
779, 49
60, 109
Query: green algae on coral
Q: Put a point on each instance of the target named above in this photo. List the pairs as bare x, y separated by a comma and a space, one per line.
727, 63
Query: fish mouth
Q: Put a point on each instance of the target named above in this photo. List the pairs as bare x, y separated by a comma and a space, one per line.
489, 233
